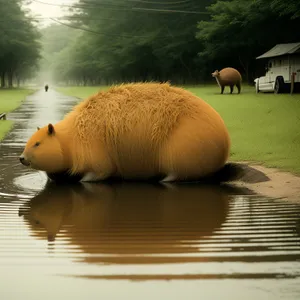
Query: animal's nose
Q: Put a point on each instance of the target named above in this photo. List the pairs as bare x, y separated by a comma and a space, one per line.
23, 160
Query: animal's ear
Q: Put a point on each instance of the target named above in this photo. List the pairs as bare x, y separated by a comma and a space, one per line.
51, 129
38, 128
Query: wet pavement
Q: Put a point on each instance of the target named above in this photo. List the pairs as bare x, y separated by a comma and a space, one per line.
136, 241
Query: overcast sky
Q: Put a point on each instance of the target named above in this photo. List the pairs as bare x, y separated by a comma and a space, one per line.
46, 11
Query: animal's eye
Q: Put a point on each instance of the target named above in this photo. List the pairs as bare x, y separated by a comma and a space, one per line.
37, 144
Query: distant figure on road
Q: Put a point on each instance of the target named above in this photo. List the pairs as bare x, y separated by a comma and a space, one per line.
46, 87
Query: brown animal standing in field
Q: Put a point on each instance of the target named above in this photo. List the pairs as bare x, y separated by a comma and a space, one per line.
228, 77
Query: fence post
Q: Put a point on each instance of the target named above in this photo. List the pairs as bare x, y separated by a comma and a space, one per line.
292, 82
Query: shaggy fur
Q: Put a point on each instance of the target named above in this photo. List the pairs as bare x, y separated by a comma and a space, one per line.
228, 77
139, 130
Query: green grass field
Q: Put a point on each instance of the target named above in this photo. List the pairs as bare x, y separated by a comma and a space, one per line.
10, 99
264, 128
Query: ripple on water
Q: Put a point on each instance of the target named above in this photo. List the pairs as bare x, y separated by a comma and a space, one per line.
24, 186
152, 232
33, 181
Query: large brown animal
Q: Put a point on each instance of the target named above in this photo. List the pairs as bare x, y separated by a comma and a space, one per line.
228, 77
135, 131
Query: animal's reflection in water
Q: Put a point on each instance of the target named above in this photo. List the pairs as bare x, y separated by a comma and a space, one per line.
128, 218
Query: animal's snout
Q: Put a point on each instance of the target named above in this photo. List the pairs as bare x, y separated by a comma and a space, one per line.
23, 161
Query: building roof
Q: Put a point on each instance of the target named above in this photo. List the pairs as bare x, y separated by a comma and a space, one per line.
281, 49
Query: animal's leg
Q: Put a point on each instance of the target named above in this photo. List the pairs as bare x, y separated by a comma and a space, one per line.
238, 85
231, 89
169, 178
222, 89
100, 167
94, 177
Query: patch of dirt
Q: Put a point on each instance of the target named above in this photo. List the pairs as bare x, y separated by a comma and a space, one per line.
281, 184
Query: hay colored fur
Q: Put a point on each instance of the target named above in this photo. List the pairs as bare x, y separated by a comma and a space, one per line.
137, 130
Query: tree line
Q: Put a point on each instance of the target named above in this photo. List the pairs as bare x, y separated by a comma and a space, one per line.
178, 40
19, 44
111, 41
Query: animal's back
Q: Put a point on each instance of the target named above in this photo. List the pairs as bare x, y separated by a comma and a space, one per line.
151, 108
230, 76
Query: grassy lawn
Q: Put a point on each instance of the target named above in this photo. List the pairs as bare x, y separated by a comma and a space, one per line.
10, 99
264, 128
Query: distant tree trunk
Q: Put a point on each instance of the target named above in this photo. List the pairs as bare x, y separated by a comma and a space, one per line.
10, 79
144, 75
3, 79
185, 66
18, 81
84, 80
245, 66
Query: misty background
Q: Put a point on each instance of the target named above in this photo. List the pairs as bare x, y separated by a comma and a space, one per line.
100, 42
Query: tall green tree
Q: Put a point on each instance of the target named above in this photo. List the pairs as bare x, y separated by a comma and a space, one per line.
137, 40
19, 44
178, 40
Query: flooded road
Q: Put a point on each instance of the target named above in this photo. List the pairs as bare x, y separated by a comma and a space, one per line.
136, 241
